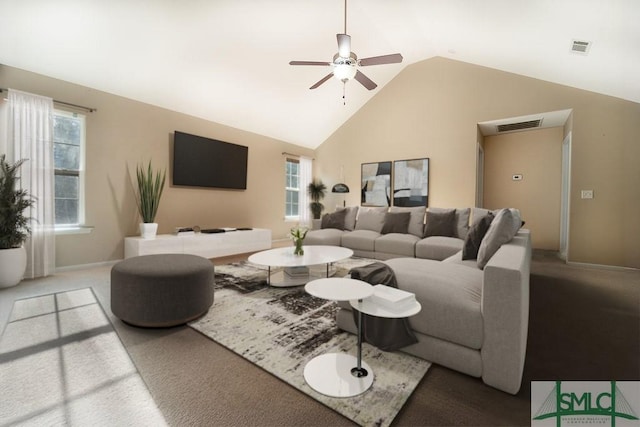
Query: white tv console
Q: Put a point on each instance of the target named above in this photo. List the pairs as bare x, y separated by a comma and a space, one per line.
206, 245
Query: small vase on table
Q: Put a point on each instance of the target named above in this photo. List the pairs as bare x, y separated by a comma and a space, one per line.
298, 234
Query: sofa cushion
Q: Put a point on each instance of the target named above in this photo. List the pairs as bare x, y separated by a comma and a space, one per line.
475, 236
438, 247
371, 219
416, 223
398, 244
478, 213
450, 295
334, 220
457, 259
396, 222
350, 217
361, 240
462, 222
441, 222
500, 232
326, 236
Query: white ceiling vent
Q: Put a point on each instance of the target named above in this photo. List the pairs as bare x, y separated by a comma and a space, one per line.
511, 127
580, 46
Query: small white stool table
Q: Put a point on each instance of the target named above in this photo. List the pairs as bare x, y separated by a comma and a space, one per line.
339, 374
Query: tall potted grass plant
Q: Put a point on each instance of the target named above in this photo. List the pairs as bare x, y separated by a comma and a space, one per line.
14, 224
150, 186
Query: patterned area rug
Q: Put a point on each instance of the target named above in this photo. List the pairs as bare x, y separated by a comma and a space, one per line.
281, 329
61, 363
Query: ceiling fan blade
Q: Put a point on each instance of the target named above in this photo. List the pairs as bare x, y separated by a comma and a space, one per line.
365, 81
394, 58
309, 63
324, 79
344, 45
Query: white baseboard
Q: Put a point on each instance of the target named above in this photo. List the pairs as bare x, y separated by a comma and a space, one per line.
601, 266
86, 266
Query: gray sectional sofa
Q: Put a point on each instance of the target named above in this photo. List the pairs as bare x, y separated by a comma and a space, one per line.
475, 312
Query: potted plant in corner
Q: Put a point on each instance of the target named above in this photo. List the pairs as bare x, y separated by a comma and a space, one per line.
14, 225
150, 188
316, 191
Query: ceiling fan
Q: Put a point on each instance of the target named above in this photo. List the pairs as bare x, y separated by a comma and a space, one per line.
345, 63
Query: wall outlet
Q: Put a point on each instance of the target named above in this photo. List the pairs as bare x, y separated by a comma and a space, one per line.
517, 177
587, 194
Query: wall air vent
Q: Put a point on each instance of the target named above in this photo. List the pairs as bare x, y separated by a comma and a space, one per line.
510, 127
578, 46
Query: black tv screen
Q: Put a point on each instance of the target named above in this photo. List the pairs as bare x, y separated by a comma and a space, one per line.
205, 162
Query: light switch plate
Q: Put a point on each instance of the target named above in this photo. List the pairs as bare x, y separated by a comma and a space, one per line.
587, 194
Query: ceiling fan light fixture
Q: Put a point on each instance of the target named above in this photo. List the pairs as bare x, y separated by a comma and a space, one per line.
344, 72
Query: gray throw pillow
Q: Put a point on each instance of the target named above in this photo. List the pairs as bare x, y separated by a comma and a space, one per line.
416, 223
462, 220
474, 237
441, 223
334, 220
371, 219
500, 232
396, 222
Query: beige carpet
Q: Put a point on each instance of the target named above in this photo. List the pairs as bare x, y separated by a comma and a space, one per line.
61, 363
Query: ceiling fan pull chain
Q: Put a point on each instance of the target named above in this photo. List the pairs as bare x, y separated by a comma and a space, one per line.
344, 90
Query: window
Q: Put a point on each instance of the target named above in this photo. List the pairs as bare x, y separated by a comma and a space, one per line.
292, 188
68, 155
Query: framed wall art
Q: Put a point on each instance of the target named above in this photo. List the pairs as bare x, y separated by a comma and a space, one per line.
411, 182
376, 184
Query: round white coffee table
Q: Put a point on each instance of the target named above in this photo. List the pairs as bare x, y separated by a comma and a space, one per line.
339, 374
296, 272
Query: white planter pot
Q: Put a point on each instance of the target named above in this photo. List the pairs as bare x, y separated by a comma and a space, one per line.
13, 263
148, 230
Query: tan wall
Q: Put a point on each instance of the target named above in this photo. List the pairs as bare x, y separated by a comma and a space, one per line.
432, 108
124, 132
537, 156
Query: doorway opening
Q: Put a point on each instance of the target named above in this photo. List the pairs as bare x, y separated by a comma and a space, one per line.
546, 190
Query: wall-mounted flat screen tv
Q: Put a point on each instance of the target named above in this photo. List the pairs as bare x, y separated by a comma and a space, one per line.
205, 162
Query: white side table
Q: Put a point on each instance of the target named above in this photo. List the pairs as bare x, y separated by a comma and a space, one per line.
339, 374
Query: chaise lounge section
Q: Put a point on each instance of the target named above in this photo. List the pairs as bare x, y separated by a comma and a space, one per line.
475, 310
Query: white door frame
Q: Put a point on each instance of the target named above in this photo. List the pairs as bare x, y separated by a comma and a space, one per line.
479, 175
565, 202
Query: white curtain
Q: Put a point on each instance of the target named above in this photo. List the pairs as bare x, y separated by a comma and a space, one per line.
306, 173
30, 136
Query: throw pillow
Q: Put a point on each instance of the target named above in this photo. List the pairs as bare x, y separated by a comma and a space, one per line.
334, 220
416, 223
396, 222
371, 219
500, 232
474, 237
462, 220
441, 223
517, 220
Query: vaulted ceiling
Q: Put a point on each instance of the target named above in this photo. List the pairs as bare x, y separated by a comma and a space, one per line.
228, 60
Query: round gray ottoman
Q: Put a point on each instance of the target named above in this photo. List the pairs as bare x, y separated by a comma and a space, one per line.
161, 290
